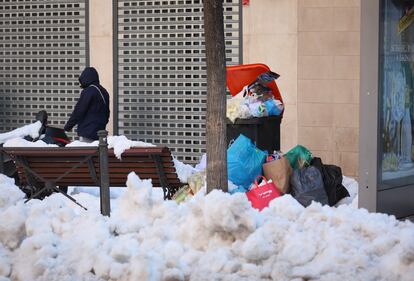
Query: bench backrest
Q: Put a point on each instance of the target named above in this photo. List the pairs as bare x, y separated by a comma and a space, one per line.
53, 162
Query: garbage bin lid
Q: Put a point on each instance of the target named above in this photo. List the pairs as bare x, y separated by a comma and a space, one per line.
241, 75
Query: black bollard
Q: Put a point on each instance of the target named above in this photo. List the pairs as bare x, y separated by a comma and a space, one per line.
104, 173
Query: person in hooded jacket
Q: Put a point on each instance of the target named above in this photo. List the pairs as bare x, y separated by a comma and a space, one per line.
91, 112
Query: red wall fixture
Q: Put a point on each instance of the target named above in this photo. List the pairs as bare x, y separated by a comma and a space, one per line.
246, 2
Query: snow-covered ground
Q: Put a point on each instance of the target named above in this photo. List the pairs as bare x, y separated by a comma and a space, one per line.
209, 237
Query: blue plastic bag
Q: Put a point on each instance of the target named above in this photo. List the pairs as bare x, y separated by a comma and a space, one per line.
240, 189
244, 161
273, 107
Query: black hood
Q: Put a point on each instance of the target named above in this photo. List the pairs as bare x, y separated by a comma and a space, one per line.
89, 76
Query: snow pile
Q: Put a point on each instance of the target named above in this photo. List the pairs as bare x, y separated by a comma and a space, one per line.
121, 143
12, 220
78, 143
19, 142
31, 130
210, 237
11, 205
118, 143
184, 171
352, 186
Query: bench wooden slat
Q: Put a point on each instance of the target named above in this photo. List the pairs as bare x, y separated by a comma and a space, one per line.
85, 169
112, 171
149, 174
38, 165
80, 151
111, 165
121, 179
119, 182
69, 159
141, 151
138, 164
138, 158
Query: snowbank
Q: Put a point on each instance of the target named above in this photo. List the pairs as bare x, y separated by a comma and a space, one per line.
211, 237
31, 130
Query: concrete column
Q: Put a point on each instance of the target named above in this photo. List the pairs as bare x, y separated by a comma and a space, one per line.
101, 46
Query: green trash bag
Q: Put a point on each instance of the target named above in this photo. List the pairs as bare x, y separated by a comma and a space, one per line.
299, 157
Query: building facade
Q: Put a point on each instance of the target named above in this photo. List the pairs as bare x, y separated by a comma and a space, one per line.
312, 44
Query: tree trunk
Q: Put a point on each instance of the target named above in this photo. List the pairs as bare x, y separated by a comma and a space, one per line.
216, 95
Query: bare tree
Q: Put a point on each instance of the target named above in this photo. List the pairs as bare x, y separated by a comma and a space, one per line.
216, 95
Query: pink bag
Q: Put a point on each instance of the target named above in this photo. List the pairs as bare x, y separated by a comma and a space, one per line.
260, 196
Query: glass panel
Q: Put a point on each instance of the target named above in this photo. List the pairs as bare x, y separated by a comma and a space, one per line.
396, 86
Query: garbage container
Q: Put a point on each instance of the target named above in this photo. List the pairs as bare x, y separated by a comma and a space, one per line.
264, 131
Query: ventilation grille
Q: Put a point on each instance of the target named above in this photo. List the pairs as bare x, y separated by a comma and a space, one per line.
162, 72
42, 52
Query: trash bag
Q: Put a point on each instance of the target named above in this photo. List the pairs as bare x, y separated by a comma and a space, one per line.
264, 78
273, 107
332, 180
244, 161
240, 189
237, 107
267, 77
279, 171
257, 109
261, 194
262, 93
307, 186
182, 194
196, 181
299, 157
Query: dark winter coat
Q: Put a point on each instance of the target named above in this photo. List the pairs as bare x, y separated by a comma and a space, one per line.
91, 112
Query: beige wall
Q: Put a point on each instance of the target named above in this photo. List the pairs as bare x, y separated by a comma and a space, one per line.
270, 35
314, 45
100, 46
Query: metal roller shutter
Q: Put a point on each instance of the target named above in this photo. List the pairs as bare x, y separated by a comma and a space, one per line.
42, 52
162, 73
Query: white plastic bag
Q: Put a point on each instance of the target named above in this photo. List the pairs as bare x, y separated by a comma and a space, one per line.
237, 106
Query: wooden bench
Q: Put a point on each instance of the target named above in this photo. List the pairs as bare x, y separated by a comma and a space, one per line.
51, 168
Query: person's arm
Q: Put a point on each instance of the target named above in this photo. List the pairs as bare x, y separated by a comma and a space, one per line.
79, 111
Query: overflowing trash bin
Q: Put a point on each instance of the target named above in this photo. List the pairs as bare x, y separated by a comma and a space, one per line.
257, 117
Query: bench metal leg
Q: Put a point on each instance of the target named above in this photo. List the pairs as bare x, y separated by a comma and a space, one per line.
51, 186
48, 185
28, 172
162, 177
36, 194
